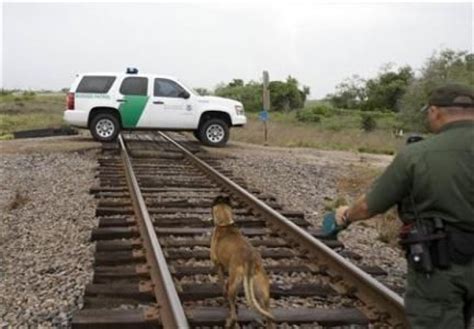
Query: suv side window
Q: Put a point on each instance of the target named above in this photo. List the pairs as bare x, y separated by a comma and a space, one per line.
134, 86
95, 84
167, 88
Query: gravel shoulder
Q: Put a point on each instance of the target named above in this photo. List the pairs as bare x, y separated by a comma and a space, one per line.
46, 219
307, 179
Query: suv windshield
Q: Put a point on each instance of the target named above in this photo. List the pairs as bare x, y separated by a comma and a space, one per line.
191, 90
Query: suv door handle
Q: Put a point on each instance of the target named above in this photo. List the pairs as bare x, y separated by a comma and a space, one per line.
158, 102
122, 100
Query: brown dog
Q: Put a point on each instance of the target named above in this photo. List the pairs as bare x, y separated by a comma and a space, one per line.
232, 253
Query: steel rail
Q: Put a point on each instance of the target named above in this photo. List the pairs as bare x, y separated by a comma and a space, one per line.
381, 303
170, 308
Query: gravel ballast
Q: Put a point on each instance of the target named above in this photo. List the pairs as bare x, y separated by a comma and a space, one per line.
304, 180
47, 215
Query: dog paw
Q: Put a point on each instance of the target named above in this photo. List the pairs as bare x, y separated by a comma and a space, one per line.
230, 323
212, 278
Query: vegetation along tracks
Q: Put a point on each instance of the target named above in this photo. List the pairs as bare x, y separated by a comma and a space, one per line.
152, 265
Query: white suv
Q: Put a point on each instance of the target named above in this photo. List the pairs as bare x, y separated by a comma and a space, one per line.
108, 102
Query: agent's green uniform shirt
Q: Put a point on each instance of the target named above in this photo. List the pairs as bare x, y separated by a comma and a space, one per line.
439, 172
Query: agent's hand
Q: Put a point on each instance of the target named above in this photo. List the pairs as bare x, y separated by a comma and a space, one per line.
331, 225
341, 216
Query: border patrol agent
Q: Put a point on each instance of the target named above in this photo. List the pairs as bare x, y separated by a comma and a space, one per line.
432, 182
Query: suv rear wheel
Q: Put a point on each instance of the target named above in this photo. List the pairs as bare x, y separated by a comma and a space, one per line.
214, 132
105, 127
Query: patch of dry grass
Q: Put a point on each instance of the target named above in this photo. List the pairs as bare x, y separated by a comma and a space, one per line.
288, 133
357, 180
388, 227
355, 183
19, 112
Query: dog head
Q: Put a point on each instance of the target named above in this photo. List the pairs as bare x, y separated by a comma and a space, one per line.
222, 211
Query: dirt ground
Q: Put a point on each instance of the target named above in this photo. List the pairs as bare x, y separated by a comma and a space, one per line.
312, 155
48, 145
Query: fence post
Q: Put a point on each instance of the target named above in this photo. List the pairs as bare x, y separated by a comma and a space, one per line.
266, 103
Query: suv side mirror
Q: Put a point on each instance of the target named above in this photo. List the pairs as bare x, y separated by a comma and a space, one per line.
184, 94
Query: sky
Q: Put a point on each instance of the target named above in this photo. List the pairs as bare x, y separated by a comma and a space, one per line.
45, 44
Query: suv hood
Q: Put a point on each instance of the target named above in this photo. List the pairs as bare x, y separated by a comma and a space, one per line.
219, 100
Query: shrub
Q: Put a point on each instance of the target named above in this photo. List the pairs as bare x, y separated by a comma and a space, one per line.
5, 92
324, 109
306, 115
29, 93
368, 122
315, 112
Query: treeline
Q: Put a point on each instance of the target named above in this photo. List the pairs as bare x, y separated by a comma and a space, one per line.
284, 95
381, 93
404, 90
400, 90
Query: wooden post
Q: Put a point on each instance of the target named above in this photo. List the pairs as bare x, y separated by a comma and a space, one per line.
266, 102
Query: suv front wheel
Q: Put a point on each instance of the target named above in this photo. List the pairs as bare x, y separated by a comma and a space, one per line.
105, 127
214, 132
197, 135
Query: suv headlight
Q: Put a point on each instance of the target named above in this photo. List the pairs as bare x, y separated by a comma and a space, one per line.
239, 109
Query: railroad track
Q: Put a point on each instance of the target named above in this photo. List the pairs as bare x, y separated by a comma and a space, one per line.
152, 266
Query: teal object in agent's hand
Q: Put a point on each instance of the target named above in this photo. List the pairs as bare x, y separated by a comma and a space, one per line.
330, 226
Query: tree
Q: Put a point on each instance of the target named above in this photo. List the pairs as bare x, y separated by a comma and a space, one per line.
202, 91
250, 94
306, 92
284, 95
447, 66
384, 91
380, 93
236, 83
349, 94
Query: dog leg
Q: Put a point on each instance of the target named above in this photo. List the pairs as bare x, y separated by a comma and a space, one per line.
232, 286
220, 279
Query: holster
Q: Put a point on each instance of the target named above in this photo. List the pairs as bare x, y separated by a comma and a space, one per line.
426, 245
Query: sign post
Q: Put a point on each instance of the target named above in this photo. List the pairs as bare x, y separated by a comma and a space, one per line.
266, 104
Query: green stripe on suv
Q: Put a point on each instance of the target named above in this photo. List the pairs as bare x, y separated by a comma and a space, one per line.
131, 110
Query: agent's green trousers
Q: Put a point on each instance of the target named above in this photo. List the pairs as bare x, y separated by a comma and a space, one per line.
443, 300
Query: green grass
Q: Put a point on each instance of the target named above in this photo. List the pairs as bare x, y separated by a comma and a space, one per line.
337, 132
22, 111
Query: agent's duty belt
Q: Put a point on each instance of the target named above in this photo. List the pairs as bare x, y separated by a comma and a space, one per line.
431, 243
461, 243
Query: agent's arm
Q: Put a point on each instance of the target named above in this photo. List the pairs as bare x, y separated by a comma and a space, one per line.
387, 190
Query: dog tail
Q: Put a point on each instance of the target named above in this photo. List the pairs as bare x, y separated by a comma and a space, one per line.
250, 293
